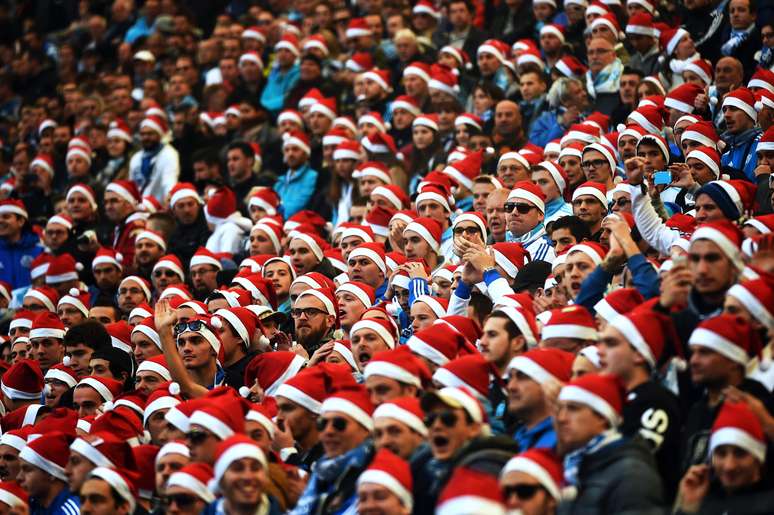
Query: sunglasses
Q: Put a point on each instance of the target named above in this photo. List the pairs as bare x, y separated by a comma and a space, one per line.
470, 231
181, 500
338, 423
523, 491
621, 202
448, 418
189, 325
523, 209
197, 437
594, 163
164, 273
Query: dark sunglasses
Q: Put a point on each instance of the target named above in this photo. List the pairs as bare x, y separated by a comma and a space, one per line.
196, 437
470, 231
523, 209
189, 325
448, 418
164, 273
181, 500
338, 423
621, 202
524, 492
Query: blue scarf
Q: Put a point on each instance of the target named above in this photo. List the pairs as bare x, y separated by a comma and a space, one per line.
608, 80
146, 166
527, 238
326, 471
573, 460
766, 59
737, 38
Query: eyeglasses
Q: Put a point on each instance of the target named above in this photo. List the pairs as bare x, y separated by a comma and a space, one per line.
470, 231
594, 163
197, 437
523, 209
189, 325
523, 491
621, 202
448, 418
338, 423
181, 500
307, 312
164, 273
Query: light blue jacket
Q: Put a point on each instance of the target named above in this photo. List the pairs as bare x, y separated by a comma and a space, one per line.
296, 188
278, 85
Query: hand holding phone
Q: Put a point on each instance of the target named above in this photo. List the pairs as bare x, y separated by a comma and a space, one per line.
663, 177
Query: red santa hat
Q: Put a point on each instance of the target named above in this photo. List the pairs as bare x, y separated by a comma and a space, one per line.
570, 322
510, 256
13, 495
148, 328
224, 416
353, 402
47, 325
251, 56
155, 123
428, 8
271, 370
496, 48
443, 79
737, 425
618, 302
289, 42
543, 465
762, 78
671, 37
316, 41
391, 472
44, 161
106, 387
86, 191
702, 132
470, 491
744, 99
683, 96
417, 69
570, 66
729, 335
703, 69
603, 393
594, 189
708, 156
139, 281
757, 296
127, 190
62, 373
643, 332
725, 235
641, 24
406, 410
610, 21
157, 365
80, 300
428, 229
544, 365
203, 256
228, 451
381, 77
398, 364
383, 328
49, 452
23, 381
297, 138
470, 372
439, 343
194, 477
524, 321
108, 256
357, 27
529, 191
62, 268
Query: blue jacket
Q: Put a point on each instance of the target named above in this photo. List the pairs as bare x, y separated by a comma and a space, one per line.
740, 151
15, 259
296, 188
546, 128
644, 278
542, 436
278, 85
65, 503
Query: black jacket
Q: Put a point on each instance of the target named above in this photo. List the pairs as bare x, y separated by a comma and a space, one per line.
185, 239
621, 479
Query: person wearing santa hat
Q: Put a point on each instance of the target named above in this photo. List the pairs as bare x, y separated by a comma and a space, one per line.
296, 186
399, 426
18, 244
110, 490
156, 167
525, 209
190, 231
736, 472
740, 117
385, 486
531, 482
42, 474
121, 201
553, 181
315, 316
596, 456
525, 376
631, 347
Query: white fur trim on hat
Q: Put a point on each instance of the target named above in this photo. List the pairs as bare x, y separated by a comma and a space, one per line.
574, 393
349, 409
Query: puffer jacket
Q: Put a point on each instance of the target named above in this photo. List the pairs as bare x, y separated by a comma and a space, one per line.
620, 479
15, 259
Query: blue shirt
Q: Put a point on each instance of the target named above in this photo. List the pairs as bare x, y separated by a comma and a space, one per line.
278, 85
542, 436
65, 503
296, 188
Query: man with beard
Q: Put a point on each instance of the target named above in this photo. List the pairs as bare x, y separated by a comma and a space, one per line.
314, 313
242, 176
589, 203
204, 268
191, 231
121, 200
156, 167
149, 246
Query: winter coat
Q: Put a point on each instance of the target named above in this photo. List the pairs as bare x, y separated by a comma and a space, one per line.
15, 259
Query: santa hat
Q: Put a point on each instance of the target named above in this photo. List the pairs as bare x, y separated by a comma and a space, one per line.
510, 256
106, 387
63, 220
757, 296
437, 305
272, 370
154, 236
766, 142
139, 281
643, 332
469, 119
251, 56
127, 190
228, 451
224, 416
557, 173
326, 297
610, 21
62, 268
381, 77
378, 219
194, 477
762, 78
683, 96
61, 373
618, 302
708, 156
155, 123
726, 236
290, 115
48, 123
470, 491
703, 69
80, 300
398, 364
183, 190
363, 292
22, 318
13, 495
477, 218
529, 191
543, 465
605, 151
570, 322
594, 189
122, 481
544, 365
391, 472
570, 66
84, 190
641, 24
603, 393
49, 452
148, 328
466, 169
439, 343
289, 42
359, 62
417, 69
325, 107
702, 132
383, 328
157, 365
204, 256
458, 54
531, 55
428, 229
242, 320
47, 325
737, 425
649, 118
357, 27
670, 38
23, 381
554, 30
729, 335
353, 402
524, 321
470, 372
744, 99
316, 41
161, 399
496, 48
44, 161
443, 79
108, 256
170, 262
406, 410
298, 139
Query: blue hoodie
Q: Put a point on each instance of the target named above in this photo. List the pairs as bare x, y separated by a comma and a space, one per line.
16, 258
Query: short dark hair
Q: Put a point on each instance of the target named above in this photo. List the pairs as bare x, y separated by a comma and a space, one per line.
510, 326
628, 70
118, 362
575, 225
245, 147
207, 155
90, 333
468, 4
481, 305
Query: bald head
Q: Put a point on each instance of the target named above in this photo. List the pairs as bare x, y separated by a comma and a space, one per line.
729, 73
507, 118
